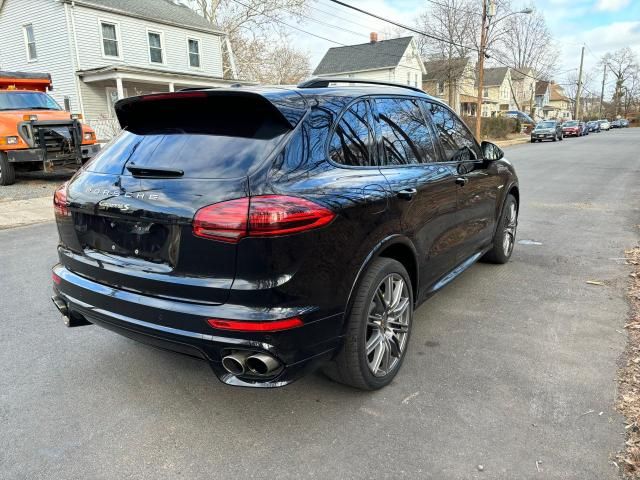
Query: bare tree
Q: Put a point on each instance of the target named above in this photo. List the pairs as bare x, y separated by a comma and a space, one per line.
284, 65
251, 26
526, 42
452, 21
622, 64
631, 98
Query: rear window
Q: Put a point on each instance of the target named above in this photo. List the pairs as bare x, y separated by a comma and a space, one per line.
221, 138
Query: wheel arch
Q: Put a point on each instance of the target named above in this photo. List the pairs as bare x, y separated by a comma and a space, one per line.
396, 247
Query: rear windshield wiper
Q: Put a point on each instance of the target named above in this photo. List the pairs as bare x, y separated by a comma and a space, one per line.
151, 172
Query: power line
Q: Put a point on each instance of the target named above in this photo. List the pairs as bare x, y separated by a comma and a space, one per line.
275, 19
333, 15
406, 27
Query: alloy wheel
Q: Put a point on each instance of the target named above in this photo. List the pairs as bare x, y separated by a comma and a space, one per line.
388, 323
510, 227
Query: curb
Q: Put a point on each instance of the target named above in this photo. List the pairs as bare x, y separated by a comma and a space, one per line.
515, 141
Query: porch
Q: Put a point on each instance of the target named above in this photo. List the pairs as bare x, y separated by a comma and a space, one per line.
101, 88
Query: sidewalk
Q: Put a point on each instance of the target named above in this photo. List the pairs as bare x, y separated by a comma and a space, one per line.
14, 213
513, 141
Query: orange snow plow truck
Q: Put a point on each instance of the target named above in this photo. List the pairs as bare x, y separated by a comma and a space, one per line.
35, 132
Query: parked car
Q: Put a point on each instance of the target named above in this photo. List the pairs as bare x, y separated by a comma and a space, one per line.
572, 128
624, 123
604, 124
523, 117
594, 126
264, 242
35, 132
584, 129
547, 130
616, 124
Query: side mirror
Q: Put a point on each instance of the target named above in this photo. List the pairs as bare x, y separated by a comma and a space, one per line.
491, 151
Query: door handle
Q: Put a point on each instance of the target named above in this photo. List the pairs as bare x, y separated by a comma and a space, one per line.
462, 181
407, 193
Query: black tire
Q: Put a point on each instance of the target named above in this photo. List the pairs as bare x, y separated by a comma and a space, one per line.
7, 172
555, 137
351, 364
497, 254
533, 141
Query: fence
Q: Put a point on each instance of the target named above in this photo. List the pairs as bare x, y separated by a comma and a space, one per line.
106, 128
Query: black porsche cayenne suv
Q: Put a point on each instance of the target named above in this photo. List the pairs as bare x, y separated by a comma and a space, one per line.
270, 230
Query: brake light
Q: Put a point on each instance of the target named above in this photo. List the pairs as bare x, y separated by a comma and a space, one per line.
56, 278
60, 202
250, 326
261, 216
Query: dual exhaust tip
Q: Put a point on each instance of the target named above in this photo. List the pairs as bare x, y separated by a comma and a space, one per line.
242, 363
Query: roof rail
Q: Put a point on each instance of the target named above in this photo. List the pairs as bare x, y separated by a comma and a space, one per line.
323, 82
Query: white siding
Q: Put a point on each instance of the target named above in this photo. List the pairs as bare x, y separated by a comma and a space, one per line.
134, 50
52, 44
410, 64
383, 75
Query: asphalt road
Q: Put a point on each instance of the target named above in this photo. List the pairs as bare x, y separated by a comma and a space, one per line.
509, 367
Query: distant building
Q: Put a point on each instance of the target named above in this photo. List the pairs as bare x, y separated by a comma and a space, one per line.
453, 81
497, 96
551, 102
394, 60
523, 86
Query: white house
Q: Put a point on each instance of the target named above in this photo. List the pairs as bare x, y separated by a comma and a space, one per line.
98, 51
394, 60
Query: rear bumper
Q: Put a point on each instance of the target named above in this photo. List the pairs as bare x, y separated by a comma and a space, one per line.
181, 327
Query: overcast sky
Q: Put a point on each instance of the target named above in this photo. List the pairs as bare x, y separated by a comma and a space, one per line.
603, 25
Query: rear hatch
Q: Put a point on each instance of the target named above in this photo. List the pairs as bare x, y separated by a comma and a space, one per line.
130, 210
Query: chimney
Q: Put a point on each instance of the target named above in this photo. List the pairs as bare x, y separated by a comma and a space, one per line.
373, 37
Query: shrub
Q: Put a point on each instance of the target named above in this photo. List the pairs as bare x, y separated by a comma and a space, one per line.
494, 127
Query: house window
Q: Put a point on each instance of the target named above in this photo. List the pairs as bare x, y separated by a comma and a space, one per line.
110, 46
415, 79
155, 47
485, 92
30, 40
440, 88
408, 78
194, 53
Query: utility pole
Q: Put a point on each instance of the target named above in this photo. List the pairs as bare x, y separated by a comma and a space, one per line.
579, 91
481, 54
604, 78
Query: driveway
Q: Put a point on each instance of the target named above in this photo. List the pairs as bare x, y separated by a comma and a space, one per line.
510, 372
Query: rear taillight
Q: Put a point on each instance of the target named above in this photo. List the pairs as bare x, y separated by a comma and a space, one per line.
253, 326
261, 216
60, 202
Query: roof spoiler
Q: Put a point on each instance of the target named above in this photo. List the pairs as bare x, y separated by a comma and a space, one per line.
203, 111
323, 82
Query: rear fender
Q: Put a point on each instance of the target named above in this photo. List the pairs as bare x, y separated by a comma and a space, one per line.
371, 256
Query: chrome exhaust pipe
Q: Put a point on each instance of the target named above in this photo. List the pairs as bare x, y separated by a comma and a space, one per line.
60, 305
262, 364
236, 362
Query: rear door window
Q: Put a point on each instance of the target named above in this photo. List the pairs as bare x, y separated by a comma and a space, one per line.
457, 142
405, 136
352, 140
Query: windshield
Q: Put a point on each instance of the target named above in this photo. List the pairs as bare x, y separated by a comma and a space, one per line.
27, 101
546, 125
571, 124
